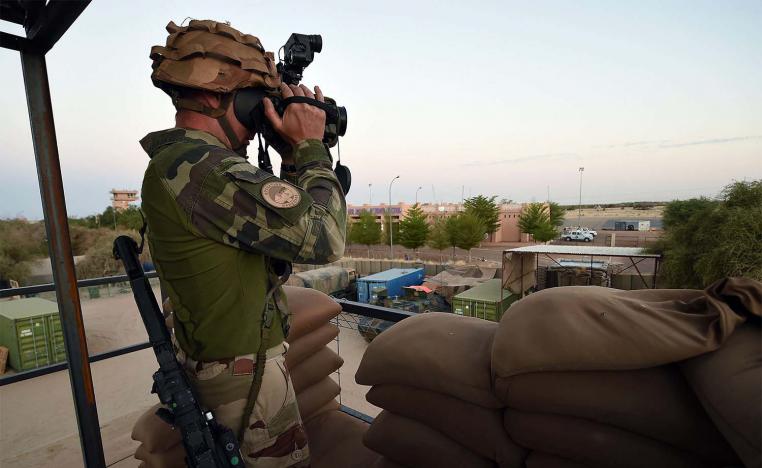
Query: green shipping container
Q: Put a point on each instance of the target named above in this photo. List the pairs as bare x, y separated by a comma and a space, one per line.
483, 301
25, 329
56, 342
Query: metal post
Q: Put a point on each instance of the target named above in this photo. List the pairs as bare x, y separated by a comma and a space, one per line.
416, 194
370, 194
391, 227
62, 262
579, 213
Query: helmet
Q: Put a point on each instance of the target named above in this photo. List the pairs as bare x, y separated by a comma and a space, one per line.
212, 56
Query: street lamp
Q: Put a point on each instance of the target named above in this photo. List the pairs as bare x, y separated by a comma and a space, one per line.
391, 228
579, 213
370, 194
416, 194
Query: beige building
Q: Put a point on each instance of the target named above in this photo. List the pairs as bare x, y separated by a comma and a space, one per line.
509, 216
121, 199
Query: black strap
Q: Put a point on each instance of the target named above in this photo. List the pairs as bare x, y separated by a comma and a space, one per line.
263, 156
142, 231
331, 112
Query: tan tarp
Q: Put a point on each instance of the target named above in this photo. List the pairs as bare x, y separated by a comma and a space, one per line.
455, 280
519, 272
594, 328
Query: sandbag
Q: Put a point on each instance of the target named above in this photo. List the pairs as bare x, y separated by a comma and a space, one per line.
476, 428
441, 352
309, 344
335, 440
595, 328
315, 368
593, 443
544, 460
173, 457
315, 398
728, 382
153, 433
655, 403
384, 462
413, 444
310, 310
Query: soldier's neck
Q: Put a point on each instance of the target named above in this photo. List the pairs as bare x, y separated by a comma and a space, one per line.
196, 121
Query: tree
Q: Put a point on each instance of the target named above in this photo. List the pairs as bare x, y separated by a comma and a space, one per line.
439, 238
130, 218
545, 232
365, 230
535, 220
466, 231
21, 242
556, 214
485, 210
706, 240
99, 259
414, 229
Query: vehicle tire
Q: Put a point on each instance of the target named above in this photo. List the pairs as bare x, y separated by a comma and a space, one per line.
567, 239
587, 239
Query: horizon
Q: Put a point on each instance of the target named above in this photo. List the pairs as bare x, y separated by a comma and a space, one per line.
655, 100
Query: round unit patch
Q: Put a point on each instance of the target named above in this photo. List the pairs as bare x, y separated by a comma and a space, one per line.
281, 195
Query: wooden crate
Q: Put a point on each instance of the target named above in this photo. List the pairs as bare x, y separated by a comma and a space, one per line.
3, 359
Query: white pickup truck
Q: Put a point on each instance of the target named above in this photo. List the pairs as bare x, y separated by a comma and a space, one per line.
589, 231
577, 235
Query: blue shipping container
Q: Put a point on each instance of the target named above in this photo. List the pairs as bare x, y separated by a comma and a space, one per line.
393, 280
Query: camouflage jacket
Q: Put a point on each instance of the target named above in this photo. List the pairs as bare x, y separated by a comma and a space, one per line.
215, 221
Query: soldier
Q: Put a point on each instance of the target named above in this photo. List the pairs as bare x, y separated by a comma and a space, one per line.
223, 232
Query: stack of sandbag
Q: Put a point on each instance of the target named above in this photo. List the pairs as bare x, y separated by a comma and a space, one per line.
335, 437
308, 359
596, 377
310, 363
431, 376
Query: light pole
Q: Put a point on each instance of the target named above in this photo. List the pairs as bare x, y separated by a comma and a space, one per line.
579, 213
416, 194
370, 194
391, 228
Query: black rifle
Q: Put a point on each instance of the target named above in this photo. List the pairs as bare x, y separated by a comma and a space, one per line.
208, 444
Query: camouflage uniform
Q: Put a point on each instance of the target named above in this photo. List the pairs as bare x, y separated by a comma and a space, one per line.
215, 224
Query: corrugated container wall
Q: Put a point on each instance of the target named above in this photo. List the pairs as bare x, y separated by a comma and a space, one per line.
31, 330
393, 280
483, 301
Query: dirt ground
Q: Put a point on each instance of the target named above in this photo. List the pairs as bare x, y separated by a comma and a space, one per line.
37, 421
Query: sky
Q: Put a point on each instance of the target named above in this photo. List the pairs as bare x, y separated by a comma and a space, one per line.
657, 100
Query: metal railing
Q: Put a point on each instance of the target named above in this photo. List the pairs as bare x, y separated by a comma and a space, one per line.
348, 307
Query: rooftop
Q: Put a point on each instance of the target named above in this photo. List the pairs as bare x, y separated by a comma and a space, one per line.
586, 250
27, 308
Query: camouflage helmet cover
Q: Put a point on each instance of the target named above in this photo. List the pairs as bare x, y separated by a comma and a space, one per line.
212, 56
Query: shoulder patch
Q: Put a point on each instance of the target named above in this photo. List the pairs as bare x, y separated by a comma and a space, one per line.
280, 194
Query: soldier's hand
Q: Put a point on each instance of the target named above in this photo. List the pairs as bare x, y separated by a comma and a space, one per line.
300, 121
